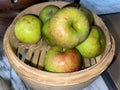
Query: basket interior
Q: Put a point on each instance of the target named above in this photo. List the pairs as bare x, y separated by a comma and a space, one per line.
33, 55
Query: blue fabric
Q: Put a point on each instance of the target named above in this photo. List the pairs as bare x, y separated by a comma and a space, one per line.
102, 6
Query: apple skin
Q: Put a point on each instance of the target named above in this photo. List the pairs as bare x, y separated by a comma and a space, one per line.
68, 27
45, 33
88, 14
94, 45
47, 12
85, 11
62, 60
28, 29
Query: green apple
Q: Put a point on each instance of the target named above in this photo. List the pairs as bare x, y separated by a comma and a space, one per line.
28, 29
62, 60
45, 33
88, 14
47, 12
85, 11
68, 27
94, 45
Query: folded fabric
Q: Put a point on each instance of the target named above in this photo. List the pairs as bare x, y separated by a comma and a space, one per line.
9, 74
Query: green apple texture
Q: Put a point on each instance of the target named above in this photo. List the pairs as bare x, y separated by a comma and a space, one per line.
45, 15
88, 14
68, 27
94, 45
47, 12
62, 60
45, 33
85, 11
28, 29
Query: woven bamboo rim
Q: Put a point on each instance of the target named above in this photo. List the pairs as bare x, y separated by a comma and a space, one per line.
62, 79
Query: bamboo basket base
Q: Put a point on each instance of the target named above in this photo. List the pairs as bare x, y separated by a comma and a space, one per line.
27, 60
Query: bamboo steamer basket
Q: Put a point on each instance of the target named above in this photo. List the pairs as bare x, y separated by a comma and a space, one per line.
32, 73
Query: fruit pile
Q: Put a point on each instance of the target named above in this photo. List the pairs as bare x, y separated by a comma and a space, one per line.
70, 31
